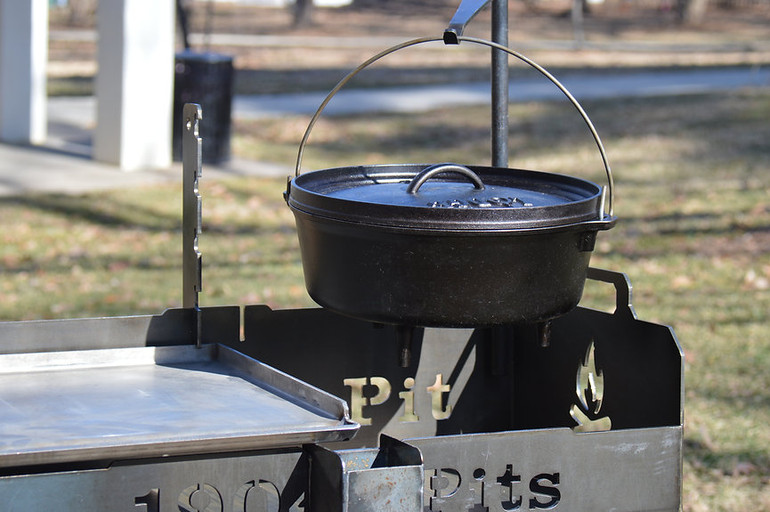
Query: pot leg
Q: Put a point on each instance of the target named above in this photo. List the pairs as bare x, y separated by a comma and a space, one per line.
544, 333
404, 337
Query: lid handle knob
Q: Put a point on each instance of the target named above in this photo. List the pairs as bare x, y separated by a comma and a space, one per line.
433, 170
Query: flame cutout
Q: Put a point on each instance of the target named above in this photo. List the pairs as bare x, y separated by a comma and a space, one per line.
590, 380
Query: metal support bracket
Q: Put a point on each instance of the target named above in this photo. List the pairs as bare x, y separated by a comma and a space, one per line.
623, 289
467, 10
191, 212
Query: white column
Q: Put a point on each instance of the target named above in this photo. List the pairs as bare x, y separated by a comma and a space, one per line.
134, 83
23, 60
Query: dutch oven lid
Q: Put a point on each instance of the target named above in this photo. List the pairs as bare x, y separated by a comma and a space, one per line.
447, 197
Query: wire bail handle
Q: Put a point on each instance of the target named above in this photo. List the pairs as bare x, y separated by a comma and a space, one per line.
483, 42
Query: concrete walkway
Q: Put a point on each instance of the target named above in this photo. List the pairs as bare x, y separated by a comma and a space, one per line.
583, 86
64, 165
25, 169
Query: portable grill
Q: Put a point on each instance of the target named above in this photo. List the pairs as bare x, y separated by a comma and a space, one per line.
253, 409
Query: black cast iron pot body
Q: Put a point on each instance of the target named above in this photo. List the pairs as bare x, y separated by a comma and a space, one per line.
439, 246
447, 245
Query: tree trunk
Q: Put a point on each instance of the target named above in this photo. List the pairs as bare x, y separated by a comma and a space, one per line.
302, 12
81, 12
691, 12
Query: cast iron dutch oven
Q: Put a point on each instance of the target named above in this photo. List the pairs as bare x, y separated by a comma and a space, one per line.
446, 245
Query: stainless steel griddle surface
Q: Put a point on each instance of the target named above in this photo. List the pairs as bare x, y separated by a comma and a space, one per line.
154, 401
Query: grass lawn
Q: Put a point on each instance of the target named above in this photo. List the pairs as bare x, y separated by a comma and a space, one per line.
693, 201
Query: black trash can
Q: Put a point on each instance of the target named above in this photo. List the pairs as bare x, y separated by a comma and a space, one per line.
206, 79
